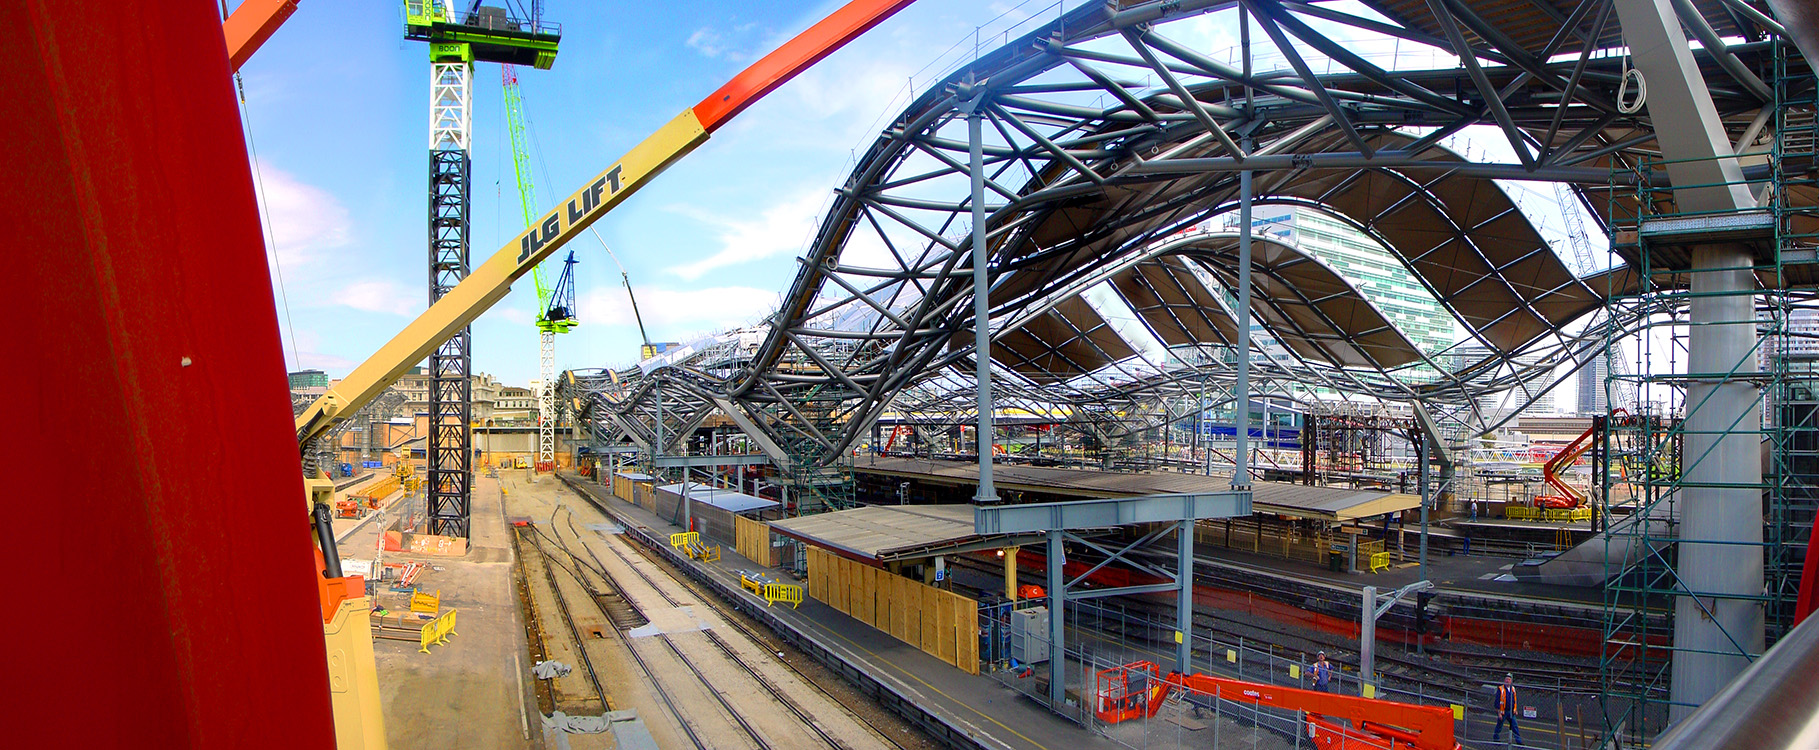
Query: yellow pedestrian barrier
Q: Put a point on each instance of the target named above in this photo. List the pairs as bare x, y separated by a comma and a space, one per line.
428, 604
1380, 561
770, 591
690, 544
787, 593
436, 632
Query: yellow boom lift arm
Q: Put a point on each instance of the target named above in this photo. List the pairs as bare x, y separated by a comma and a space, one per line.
345, 611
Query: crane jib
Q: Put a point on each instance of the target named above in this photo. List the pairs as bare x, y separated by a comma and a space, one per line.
591, 199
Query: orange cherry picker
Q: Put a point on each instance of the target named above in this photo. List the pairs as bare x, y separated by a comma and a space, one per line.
1330, 720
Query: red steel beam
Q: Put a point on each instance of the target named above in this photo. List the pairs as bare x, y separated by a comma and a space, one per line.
163, 589
783, 63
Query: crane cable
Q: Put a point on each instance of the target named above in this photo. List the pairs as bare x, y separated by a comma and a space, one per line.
265, 214
530, 128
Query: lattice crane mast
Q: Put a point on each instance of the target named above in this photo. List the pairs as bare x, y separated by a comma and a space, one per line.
1582, 252
346, 614
555, 303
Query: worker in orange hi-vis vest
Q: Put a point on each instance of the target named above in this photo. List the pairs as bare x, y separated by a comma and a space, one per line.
1323, 674
1506, 709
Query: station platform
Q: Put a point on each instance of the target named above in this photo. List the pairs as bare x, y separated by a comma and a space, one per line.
955, 707
1460, 574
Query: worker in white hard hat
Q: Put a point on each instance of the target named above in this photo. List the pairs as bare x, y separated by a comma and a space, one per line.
1323, 673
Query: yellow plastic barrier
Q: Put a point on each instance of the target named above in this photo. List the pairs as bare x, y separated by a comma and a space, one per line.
690, 544
787, 593
428, 604
1380, 561
770, 591
1574, 515
436, 632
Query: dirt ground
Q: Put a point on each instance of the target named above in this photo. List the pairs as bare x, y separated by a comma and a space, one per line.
468, 693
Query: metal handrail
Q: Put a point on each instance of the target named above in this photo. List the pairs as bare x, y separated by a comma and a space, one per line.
1771, 705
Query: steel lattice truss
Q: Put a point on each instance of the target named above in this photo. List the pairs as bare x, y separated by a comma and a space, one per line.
1112, 136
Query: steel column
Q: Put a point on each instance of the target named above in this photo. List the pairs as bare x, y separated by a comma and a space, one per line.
982, 329
1367, 636
1057, 630
1421, 458
1720, 530
1241, 469
1184, 599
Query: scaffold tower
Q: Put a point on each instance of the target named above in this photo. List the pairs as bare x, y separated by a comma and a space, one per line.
1690, 594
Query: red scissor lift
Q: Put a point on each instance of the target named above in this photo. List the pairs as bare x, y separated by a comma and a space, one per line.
1341, 722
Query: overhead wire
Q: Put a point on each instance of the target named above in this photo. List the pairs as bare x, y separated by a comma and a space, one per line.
265, 213
530, 128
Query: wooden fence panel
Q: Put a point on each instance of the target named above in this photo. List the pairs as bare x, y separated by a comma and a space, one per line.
753, 540
874, 581
944, 634
818, 575
942, 623
966, 635
900, 608
931, 619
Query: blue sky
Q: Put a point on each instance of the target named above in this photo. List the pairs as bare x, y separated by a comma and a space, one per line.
338, 106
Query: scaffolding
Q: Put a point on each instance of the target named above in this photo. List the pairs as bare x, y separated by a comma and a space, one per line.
1648, 464
1351, 444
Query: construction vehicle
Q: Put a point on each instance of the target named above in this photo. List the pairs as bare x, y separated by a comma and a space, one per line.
1569, 497
1329, 720
345, 611
251, 24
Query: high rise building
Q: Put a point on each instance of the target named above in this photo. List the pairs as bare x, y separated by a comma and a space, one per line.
1592, 398
309, 379
1380, 276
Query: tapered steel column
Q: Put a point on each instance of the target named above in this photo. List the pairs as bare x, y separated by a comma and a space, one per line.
982, 329
1241, 469
1184, 599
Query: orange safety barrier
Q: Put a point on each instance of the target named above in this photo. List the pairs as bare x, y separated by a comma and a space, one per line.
1138, 689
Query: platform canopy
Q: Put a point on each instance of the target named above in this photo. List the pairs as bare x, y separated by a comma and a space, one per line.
883, 533
727, 500
1330, 504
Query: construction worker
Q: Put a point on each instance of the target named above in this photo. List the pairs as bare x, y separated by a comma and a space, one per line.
1506, 709
1323, 673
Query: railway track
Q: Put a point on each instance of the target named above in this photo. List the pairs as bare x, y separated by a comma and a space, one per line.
732, 656
738, 713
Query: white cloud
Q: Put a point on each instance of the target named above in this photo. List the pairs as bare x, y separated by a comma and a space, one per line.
381, 296
717, 45
301, 219
670, 314
784, 226
305, 353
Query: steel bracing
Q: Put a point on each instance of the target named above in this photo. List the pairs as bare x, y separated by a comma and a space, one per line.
1107, 137
449, 454
1113, 142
